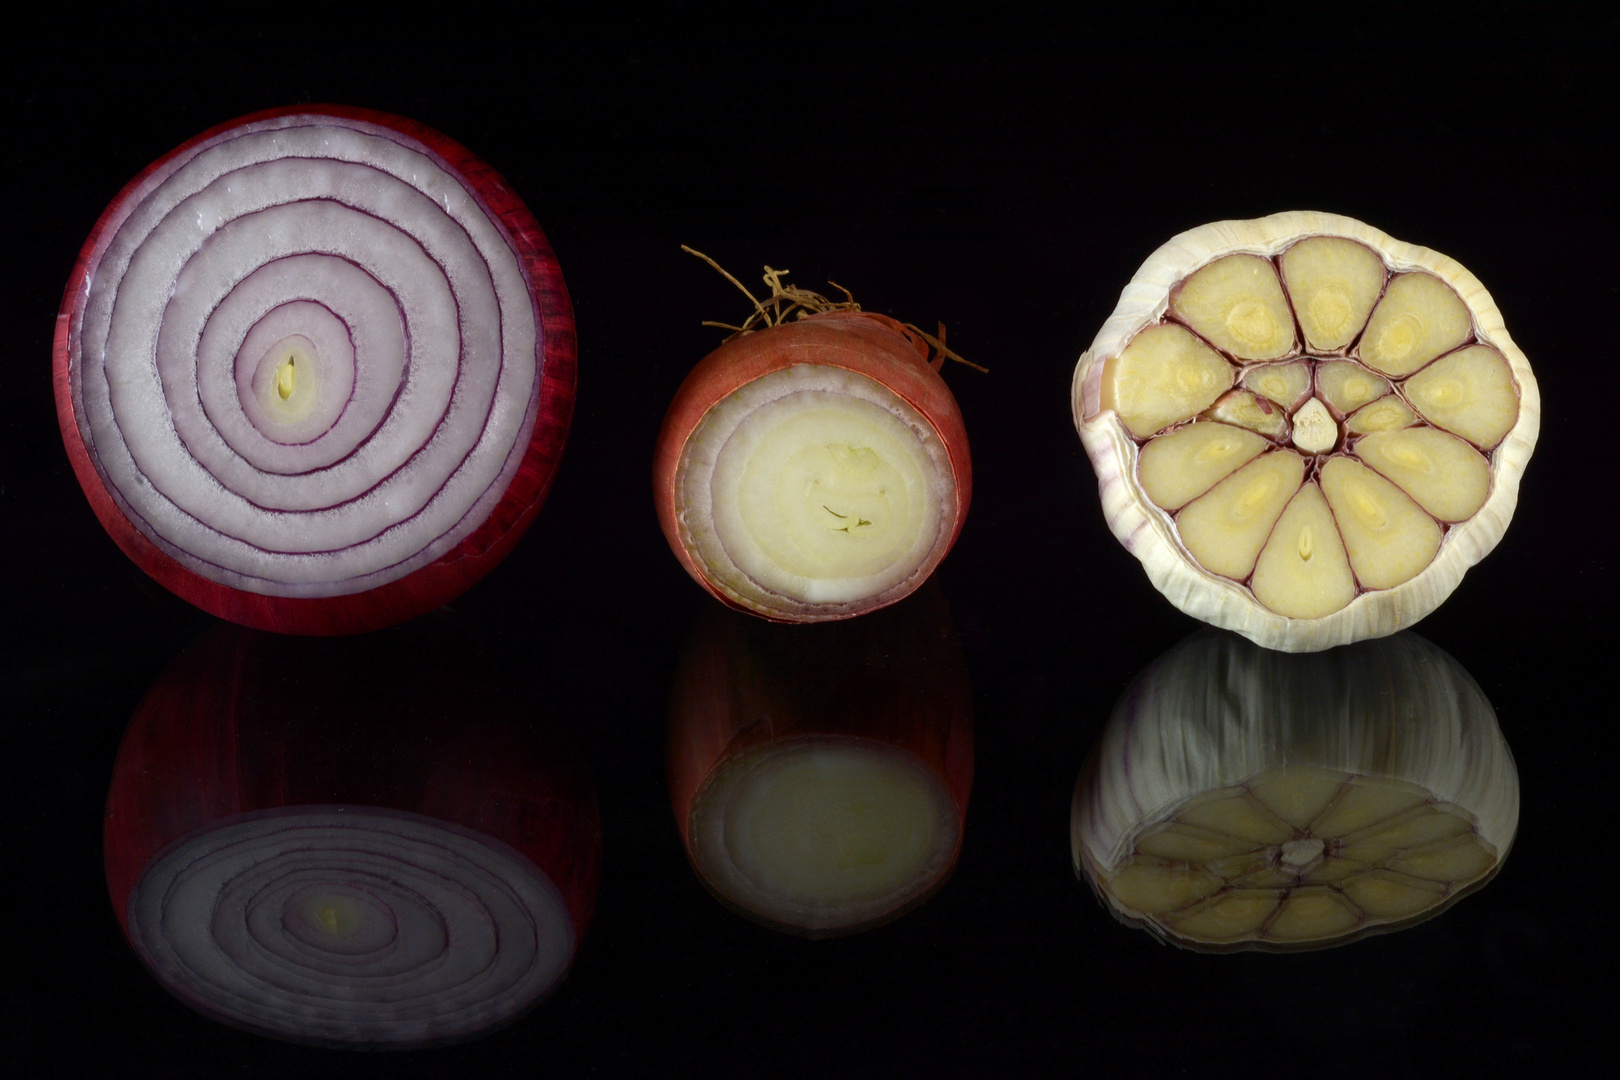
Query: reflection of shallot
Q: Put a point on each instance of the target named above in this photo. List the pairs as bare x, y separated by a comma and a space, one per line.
815, 466
820, 774
335, 846
314, 369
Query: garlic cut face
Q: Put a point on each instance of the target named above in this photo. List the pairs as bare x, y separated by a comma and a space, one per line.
1241, 798
1380, 372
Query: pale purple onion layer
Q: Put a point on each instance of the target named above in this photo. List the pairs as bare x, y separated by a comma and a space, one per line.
358, 238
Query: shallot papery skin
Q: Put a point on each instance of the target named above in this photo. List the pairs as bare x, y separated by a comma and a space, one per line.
343, 843
314, 369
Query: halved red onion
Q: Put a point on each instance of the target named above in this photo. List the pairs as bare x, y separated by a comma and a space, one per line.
297, 844
315, 368
820, 774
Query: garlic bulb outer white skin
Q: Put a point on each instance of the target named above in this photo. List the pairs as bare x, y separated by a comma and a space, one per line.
1216, 712
1149, 532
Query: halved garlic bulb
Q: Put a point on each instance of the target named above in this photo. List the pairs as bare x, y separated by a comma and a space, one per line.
1306, 431
1243, 798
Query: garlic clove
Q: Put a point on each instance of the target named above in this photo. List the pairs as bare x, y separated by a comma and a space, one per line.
1297, 795
1347, 386
1226, 527
1227, 917
1359, 805
1187, 462
1388, 895
1183, 842
1446, 476
1388, 536
1285, 384
1237, 305
1339, 868
1237, 816
1156, 887
1249, 410
1303, 571
1449, 860
1312, 912
1164, 377
1388, 413
1418, 826
1418, 318
1333, 283
1468, 393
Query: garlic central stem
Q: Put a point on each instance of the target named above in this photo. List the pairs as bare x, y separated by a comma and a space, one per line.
1299, 854
1314, 429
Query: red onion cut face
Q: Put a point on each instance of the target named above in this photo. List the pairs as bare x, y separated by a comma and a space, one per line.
315, 368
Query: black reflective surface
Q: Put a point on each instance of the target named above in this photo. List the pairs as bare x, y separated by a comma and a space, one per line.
1005, 176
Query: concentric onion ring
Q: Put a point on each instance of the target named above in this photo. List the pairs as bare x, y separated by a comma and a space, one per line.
314, 369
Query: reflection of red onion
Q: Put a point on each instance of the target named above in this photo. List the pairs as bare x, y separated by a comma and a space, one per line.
333, 847
820, 774
1241, 798
315, 368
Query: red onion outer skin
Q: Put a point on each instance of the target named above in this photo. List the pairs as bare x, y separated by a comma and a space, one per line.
863, 342
427, 587
225, 732
744, 685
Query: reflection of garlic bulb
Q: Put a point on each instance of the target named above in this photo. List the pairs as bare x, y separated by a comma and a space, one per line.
1241, 798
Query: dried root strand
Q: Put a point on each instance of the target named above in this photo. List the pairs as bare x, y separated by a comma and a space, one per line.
941, 353
791, 302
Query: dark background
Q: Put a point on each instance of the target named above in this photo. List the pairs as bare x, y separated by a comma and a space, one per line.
1006, 173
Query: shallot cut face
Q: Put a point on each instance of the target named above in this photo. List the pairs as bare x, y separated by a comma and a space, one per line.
814, 470
315, 368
